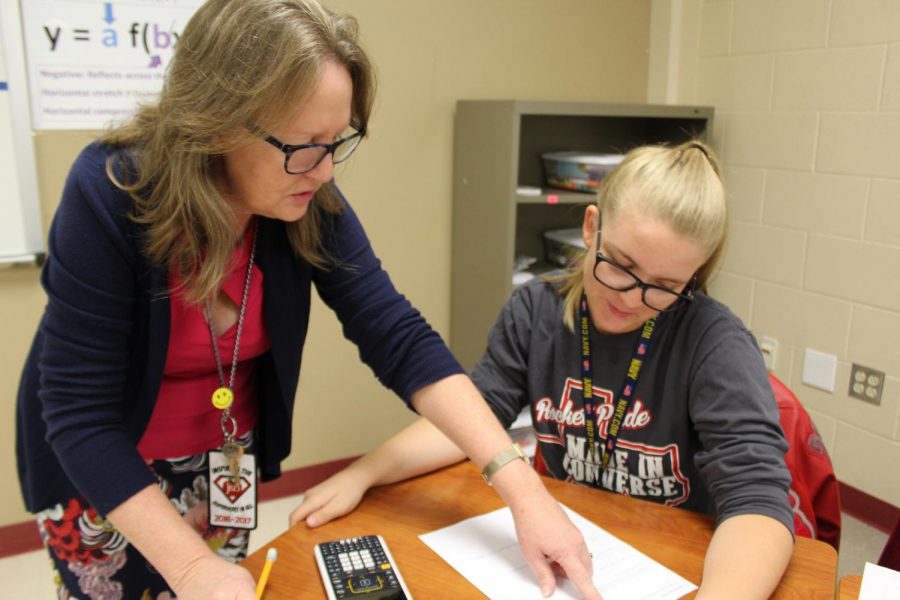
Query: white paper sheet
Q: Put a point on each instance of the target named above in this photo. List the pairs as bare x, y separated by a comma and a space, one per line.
879, 583
485, 551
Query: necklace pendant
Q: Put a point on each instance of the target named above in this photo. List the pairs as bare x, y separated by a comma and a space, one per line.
222, 398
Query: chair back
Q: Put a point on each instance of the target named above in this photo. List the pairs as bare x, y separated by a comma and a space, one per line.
890, 555
814, 494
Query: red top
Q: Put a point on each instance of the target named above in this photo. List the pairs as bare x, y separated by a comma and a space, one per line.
184, 421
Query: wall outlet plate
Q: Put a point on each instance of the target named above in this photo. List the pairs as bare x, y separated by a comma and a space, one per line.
769, 348
866, 384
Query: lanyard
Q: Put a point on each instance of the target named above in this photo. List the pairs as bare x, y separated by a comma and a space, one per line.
223, 397
638, 356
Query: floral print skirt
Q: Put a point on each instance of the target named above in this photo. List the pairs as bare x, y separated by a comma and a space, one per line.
93, 560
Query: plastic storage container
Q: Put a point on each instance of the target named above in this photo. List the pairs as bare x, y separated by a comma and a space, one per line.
578, 171
562, 246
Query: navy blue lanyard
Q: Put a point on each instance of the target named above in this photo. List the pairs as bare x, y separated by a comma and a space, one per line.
638, 356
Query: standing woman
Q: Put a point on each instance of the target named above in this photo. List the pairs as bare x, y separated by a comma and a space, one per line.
181, 259
637, 382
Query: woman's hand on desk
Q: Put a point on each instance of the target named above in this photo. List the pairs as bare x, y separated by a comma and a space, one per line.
548, 539
420, 448
333, 498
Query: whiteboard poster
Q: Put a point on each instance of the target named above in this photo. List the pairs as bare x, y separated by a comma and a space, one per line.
21, 233
91, 62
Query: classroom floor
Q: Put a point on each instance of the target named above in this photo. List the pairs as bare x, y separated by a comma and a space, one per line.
28, 575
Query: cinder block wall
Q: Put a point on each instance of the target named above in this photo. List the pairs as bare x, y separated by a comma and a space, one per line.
807, 94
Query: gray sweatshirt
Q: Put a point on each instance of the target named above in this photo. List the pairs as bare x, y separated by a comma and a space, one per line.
702, 431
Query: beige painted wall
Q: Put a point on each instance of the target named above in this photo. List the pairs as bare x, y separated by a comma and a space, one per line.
807, 97
429, 53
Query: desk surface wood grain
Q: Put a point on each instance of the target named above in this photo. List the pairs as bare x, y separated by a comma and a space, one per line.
401, 512
849, 587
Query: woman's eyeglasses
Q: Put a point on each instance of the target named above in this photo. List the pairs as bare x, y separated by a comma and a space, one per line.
302, 158
618, 278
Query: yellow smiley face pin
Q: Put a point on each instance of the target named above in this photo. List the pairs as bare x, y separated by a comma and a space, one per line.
222, 398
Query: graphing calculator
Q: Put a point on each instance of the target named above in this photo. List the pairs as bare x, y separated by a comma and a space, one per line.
360, 567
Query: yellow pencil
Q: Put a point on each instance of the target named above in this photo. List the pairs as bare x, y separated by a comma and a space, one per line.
271, 555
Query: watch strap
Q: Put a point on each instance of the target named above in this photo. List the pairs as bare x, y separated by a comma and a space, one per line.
503, 458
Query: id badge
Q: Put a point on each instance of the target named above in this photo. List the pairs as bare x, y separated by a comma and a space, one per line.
232, 500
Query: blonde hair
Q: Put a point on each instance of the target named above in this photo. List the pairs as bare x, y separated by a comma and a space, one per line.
237, 63
681, 186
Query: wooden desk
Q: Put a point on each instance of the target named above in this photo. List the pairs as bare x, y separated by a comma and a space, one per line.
400, 512
849, 587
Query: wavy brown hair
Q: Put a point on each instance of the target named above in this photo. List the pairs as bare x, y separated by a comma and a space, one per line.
237, 62
681, 186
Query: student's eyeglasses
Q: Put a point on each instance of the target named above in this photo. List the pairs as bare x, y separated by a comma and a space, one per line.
618, 278
302, 158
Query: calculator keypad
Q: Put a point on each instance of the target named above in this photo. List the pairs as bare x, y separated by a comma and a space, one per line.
358, 566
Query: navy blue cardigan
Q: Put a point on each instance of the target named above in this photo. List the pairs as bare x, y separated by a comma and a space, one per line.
93, 373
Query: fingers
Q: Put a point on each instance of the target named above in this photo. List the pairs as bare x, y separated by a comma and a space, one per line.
546, 535
558, 571
298, 514
318, 507
544, 573
308, 510
580, 571
572, 561
325, 514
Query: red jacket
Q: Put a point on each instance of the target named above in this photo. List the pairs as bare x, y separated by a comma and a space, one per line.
814, 495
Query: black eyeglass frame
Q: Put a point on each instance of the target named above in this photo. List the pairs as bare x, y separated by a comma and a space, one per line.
681, 299
331, 148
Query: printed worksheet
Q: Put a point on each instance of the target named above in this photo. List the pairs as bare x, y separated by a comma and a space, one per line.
879, 583
485, 551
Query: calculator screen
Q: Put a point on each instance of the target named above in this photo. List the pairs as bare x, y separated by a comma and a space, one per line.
373, 587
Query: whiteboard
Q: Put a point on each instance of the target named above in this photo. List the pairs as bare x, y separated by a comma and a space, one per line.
21, 232
71, 64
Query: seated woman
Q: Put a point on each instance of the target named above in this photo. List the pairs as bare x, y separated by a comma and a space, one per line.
638, 383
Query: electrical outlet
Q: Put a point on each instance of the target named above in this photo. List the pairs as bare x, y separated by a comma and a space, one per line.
769, 348
866, 384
